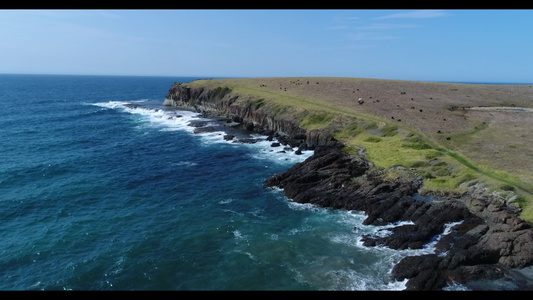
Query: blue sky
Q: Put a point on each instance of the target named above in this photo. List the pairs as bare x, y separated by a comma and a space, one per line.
429, 45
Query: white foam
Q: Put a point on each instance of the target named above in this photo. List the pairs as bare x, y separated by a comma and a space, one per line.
111, 104
167, 120
238, 235
262, 148
428, 248
281, 154
352, 280
176, 120
226, 201
301, 206
455, 287
185, 164
447, 228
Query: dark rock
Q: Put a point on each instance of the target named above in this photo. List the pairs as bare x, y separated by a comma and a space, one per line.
247, 141
204, 129
422, 272
198, 123
250, 126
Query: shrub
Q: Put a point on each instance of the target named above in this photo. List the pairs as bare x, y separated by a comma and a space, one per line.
507, 187
373, 139
390, 130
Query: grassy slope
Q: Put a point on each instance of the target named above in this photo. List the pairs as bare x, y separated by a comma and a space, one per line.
413, 124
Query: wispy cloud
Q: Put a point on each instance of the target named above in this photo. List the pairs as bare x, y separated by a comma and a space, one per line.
364, 36
342, 22
386, 26
417, 14
337, 27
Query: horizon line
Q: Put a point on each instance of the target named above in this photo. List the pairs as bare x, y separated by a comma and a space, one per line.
244, 77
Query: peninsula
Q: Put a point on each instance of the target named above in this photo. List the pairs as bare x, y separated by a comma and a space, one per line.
434, 154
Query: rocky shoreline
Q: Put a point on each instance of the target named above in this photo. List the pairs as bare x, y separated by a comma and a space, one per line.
488, 239
485, 244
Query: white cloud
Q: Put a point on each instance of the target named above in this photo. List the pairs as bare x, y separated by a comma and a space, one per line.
342, 22
380, 26
337, 27
369, 37
417, 14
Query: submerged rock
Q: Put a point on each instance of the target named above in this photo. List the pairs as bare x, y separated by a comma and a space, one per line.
204, 129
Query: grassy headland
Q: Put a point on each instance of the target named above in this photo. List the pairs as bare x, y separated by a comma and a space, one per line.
434, 128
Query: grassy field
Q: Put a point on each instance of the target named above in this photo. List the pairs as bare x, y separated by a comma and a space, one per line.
435, 128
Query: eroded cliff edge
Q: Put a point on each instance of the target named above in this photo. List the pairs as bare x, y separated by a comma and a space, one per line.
220, 102
488, 239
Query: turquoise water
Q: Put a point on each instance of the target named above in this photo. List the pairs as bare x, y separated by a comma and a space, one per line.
96, 195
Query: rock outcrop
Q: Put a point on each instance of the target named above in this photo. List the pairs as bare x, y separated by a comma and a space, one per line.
487, 239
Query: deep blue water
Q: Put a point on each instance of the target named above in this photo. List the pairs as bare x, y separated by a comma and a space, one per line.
98, 196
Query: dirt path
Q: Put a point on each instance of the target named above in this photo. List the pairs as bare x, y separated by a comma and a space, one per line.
501, 108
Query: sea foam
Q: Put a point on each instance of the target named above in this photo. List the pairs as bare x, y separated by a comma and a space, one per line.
181, 120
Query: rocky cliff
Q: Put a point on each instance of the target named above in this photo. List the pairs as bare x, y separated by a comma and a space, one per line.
247, 114
488, 239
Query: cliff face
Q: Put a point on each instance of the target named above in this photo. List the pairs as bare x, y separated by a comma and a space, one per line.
250, 114
488, 241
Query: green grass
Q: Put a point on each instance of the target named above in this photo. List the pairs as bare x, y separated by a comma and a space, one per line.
390, 130
317, 120
386, 151
443, 170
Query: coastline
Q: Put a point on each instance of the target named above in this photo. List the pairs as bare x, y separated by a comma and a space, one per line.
340, 179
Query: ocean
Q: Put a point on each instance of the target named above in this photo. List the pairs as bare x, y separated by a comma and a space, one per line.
97, 194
